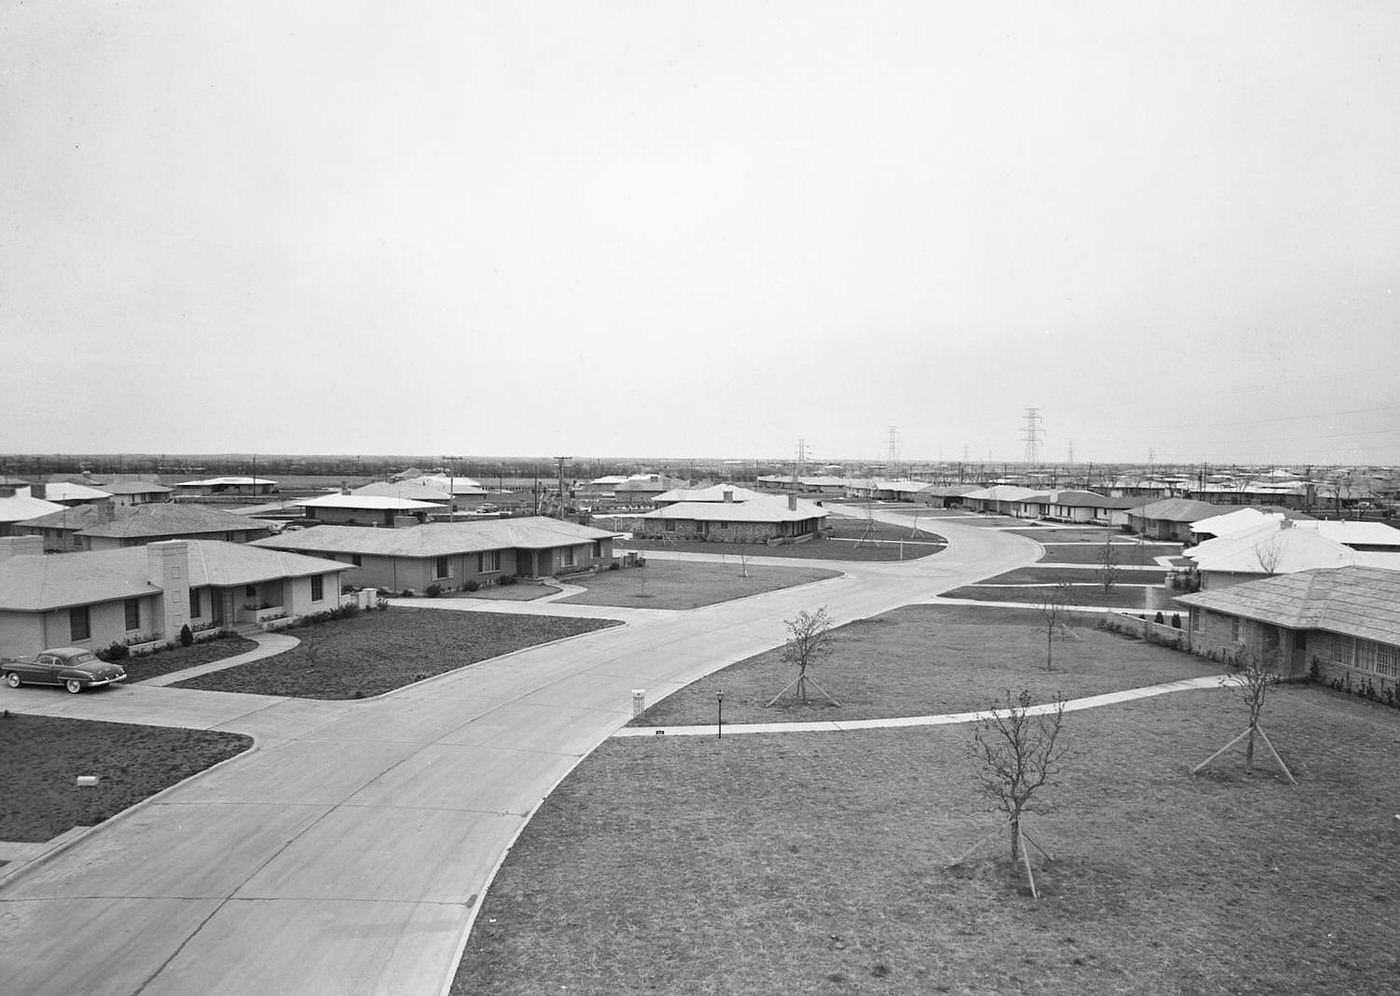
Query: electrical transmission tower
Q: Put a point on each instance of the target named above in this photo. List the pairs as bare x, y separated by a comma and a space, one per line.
1032, 434
892, 439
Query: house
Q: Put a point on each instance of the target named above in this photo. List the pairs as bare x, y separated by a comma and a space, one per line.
641, 488
1363, 537
370, 510
999, 499
137, 492
103, 526
1170, 519
144, 594
451, 554
725, 513
17, 508
1346, 619
1272, 547
945, 495
880, 489
68, 493
465, 492
225, 487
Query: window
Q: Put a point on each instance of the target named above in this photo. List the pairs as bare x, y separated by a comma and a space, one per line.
357, 560
1388, 660
133, 613
597, 549
490, 560
318, 587
1235, 629
671, 525
250, 591
79, 626
1343, 649
195, 608
442, 568
1198, 620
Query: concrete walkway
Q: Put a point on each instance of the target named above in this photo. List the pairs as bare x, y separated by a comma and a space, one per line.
349, 852
268, 645
947, 719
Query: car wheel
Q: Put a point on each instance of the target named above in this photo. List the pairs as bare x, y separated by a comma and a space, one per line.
73, 685
12, 680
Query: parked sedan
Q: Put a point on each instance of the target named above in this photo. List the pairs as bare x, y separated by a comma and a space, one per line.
72, 667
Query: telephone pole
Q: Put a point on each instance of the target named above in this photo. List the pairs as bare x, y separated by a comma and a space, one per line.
561, 461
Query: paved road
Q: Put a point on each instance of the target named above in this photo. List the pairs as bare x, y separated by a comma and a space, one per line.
347, 854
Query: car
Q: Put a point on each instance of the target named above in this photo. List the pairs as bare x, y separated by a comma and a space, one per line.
72, 667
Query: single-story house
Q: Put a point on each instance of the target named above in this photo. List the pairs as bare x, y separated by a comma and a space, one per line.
102, 526
945, 495
232, 487
999, 499
1170, 519
1346, 619
1071, 505
641, 488
465, 492
18, 508
881, 489
728, 514
144, 594
1272, 547
1363, 537
370, 510
136, 492
68, 493
450, 554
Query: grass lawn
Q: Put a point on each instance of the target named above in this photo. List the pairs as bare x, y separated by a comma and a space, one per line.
814, 863
843, 530
375, 652
1075, 534
1074, 575
508, 593
929, 659
673, 584
42, 756
166, 661
1145, 554
1087, 593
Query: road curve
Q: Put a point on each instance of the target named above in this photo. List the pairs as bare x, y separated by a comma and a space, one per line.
348, 852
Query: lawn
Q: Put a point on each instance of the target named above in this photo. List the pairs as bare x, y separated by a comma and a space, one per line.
1071, 534
1087, 593
508, 592
41, 756
929, 659
1144, 554
841, 544
814, 863
376, 652
673, 584
1074, 575
167, 661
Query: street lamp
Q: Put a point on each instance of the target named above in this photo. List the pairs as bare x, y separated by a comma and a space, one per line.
719, 715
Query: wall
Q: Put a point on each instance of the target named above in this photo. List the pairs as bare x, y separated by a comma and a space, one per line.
1213, 634
713, 532
21, 633
296, 595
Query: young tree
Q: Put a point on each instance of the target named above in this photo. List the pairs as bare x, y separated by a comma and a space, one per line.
1251, 678
1269, 553
1109, 570
1017, 752
1053, 606
809, 636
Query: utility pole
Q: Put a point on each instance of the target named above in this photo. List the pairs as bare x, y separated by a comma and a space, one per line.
893, 444
561, 461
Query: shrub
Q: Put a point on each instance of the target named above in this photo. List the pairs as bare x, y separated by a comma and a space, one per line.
1159, 620
507, 580
1176, 619
472, 586
116, 652
614, 566
433, 590
348, 589
186, 635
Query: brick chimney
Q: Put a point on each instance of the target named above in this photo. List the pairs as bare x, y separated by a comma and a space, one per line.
39, 491
168, 568
106, 511
728, 494
21, 546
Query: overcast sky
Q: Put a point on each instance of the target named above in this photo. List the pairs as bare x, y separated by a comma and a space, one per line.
702, 229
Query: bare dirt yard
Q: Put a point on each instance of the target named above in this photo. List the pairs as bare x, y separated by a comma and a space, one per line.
673, 584
926, 659
43, 755
814, 863
853, 539
376, 652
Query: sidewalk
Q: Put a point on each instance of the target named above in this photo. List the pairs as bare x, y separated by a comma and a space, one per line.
947, 719
269, 645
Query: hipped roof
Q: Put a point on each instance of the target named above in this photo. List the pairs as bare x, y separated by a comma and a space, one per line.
1363, 602
438, 539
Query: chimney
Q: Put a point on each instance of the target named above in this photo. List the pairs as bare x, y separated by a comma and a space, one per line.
39, 491
344, 488
106, 512
168, 568
792, 503
21, 546
728, 494
1285, 523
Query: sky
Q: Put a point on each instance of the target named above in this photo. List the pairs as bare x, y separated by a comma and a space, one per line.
659, 228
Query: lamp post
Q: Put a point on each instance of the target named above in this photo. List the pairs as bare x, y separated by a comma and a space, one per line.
719, 715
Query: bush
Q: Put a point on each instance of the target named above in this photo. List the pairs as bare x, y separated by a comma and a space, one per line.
507, 580
186, 635
348, 589
472, 586
433, 590
1176, 619
614, 566
116, 652
1158, 619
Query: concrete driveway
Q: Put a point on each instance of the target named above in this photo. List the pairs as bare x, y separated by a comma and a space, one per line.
349, 851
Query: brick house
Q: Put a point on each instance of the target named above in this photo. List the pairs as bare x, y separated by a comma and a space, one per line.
725, 513
1346, 619
102, 526
450, 554
143, 594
